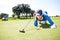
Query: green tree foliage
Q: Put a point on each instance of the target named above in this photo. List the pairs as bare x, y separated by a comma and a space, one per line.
13, 15
22, 8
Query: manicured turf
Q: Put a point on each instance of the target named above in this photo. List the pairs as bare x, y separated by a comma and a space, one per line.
9, 30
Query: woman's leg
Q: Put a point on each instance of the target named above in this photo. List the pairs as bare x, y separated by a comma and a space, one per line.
50, 21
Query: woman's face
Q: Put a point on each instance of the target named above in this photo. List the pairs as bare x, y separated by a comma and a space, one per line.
39, 17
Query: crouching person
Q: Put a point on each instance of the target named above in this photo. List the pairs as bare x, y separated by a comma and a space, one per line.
42, 16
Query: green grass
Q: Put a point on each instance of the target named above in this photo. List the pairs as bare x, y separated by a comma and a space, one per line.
9, 30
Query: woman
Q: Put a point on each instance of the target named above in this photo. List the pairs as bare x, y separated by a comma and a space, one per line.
42, 16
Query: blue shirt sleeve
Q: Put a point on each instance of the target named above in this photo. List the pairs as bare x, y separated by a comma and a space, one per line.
44, 13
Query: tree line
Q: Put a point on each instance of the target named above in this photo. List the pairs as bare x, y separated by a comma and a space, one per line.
21, 9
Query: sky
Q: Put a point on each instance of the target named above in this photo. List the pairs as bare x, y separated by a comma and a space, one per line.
51, 6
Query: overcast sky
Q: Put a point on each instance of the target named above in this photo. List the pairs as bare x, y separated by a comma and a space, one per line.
51, 6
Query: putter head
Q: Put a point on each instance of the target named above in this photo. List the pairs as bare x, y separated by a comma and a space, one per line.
22, 31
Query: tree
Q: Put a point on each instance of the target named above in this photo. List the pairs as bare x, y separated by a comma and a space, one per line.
27, 9
16, 11
13, 15
32, 11
21, 8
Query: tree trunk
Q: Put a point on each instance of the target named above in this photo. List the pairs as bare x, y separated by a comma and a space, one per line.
26, 15
18, 16
30, 16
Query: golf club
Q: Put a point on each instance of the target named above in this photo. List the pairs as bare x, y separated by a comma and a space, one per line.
23, 30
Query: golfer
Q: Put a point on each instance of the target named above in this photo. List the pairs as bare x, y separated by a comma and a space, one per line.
42, 16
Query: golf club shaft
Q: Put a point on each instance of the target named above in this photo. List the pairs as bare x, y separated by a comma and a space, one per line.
26, 25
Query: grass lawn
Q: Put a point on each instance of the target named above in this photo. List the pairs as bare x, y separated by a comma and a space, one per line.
9, 30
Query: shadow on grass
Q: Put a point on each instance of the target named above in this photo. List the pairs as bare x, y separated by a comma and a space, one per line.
45, 25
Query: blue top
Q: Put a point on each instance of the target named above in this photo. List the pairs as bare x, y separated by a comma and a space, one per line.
44, 13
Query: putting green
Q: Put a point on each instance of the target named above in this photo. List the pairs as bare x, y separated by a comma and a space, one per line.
9, 30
